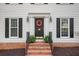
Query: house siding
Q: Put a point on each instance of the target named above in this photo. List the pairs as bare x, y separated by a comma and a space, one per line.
22, 11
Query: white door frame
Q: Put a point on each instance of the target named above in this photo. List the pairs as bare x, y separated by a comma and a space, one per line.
39, 15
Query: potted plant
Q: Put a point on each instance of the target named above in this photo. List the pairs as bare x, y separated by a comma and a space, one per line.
32, 39
46, 38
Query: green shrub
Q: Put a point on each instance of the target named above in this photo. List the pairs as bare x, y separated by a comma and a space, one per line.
46, 38
32, 39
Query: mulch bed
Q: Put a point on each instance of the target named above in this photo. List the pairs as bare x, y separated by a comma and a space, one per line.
13, 52
66, 51
57, 52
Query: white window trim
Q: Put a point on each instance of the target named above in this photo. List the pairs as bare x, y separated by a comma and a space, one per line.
14, 27
68, 29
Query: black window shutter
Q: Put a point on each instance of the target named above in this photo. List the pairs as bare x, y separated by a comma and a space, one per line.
58, 27
71, 27
6, 27
28, 35
20, 27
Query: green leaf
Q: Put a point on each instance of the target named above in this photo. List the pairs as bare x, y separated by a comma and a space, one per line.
32, 39
46, 38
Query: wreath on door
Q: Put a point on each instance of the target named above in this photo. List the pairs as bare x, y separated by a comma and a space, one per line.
39, 23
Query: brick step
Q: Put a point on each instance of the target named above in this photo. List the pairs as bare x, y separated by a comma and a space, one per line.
39, 41
39, 54
39, 44
39, 48
40, 51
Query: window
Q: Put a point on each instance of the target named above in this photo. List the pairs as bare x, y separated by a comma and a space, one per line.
64, 27
13, 27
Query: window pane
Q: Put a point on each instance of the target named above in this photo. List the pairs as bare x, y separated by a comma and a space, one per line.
13, 22
64, 22
64, 31
13, 31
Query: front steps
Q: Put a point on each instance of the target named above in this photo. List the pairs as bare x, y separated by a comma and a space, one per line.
39, 37
40, 40
39, 48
